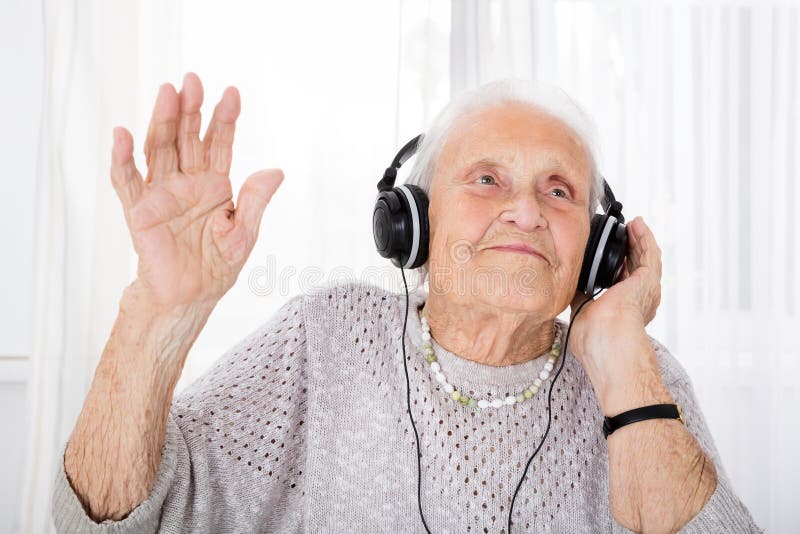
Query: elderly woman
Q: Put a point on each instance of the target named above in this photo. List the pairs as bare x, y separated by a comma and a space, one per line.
305, 424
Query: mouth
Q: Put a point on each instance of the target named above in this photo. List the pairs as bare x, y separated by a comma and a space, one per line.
520, 248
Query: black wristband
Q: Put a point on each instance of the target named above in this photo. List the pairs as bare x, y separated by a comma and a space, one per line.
655, 411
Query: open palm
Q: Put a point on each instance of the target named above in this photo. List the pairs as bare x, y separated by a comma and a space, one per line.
190, 239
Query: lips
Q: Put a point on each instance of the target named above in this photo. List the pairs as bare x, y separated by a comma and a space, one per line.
521, 248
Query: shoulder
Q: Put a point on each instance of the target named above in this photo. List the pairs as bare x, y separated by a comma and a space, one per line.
343, 290
351, 296
317, 303
346, 313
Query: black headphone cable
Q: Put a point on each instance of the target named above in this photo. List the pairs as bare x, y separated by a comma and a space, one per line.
549, 411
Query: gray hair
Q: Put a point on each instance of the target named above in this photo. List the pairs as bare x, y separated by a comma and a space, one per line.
547, 98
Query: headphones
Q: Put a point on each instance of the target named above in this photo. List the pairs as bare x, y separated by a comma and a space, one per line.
401, 228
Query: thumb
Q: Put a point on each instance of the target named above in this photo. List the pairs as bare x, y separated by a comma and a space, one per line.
254, 196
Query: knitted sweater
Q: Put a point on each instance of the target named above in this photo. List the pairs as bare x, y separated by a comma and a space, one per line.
303, 426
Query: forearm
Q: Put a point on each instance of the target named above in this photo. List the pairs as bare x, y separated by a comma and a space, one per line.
114, 451
659, 477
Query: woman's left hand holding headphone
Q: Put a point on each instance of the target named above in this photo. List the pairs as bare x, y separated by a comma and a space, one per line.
608, 336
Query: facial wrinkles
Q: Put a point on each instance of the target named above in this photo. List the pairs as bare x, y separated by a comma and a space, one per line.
523, 152
517, 176
523, 155
524, 166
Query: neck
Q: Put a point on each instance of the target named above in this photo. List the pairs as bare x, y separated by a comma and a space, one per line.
488, 335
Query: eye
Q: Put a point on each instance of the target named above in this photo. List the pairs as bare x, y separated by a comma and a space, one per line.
490, 177
559, 190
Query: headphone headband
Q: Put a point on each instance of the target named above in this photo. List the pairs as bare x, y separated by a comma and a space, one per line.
610, 203
390, 174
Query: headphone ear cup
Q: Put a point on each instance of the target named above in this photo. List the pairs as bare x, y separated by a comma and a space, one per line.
400, 226
598, 221
387, 231
607, 253
421, 199
613, 255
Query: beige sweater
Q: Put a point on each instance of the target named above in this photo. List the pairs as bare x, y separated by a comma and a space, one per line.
302, 426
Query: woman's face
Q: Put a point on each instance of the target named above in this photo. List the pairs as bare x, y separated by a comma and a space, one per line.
509, 175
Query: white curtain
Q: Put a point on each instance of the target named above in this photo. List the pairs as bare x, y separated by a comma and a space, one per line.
330, 91
82, 250
697, 107
696, 104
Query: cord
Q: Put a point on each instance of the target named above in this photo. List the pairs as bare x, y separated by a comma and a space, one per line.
408, 398
416, 435
549, 411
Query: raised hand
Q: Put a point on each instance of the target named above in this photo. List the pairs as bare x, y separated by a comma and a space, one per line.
190, 238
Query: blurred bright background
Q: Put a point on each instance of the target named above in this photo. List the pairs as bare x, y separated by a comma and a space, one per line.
697, 104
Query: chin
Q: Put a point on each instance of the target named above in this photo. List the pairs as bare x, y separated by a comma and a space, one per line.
521, 284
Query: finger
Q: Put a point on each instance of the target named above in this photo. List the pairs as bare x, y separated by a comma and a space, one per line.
190, 149
254, 196
160, 147
651, 250
636, 248
631, 234
125, 178
648, 253
218, 141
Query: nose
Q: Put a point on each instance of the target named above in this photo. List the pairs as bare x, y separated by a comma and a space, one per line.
523, 209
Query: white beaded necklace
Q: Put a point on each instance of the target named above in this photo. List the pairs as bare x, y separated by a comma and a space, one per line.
456, 395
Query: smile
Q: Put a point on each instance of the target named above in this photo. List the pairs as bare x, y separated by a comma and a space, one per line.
519, 249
